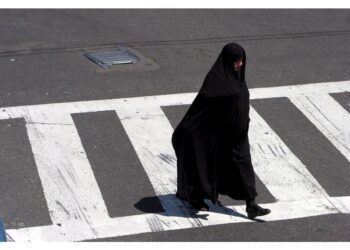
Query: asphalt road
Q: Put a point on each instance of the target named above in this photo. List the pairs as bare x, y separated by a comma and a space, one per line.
42, 62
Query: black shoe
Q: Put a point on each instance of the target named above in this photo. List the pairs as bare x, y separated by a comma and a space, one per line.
199, 205
256, 210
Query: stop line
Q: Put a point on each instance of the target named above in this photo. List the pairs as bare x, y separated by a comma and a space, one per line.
76, 206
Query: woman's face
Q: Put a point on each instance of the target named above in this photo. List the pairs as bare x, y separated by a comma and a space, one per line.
237, 64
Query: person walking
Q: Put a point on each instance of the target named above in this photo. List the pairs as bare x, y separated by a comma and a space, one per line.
211, 142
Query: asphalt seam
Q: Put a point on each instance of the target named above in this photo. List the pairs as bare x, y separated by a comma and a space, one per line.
211, 40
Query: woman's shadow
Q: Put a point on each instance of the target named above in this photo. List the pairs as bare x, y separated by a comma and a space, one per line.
152, 205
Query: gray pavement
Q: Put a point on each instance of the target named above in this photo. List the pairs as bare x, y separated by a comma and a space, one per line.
42, 61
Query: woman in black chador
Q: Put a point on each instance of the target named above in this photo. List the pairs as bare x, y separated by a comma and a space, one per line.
211, 141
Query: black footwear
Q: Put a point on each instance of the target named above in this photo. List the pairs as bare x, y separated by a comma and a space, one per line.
256, 210
199, 205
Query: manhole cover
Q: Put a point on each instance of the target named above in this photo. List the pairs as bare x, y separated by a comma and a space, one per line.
112, 57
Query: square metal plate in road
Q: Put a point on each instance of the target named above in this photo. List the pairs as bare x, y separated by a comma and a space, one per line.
112, 57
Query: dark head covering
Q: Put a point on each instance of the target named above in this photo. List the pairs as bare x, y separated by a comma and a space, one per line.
222, 80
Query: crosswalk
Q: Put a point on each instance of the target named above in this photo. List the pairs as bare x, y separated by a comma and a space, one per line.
74, 200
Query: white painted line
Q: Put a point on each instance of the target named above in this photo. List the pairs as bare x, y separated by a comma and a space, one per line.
168, 100
136, 224
75, 203
342, 203
284, 175
330, 118
69, 185
287, 91
150, 133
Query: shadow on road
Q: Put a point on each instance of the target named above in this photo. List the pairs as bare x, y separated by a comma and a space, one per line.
152, 205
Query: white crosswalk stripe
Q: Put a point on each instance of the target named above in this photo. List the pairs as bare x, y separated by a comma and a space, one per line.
75, 203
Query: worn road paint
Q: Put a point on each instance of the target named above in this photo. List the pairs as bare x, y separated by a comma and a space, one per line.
74, 200
284, 175
136, 224
319, 109
69, 184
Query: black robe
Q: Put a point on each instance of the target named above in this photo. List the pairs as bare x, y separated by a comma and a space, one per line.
211, 141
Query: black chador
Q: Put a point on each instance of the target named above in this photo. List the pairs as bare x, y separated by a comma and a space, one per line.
211, 141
